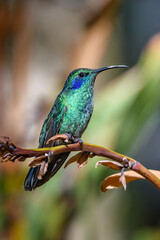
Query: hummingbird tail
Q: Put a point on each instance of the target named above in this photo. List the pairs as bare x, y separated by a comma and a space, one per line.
31, 182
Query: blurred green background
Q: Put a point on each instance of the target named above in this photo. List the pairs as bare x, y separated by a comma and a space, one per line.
40, 43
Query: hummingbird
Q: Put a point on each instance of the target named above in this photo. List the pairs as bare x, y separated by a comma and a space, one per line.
70, 114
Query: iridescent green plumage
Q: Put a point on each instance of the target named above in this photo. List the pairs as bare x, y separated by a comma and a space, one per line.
70, 114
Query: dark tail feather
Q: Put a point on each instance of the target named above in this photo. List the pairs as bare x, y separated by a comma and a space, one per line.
31, 182
31, 179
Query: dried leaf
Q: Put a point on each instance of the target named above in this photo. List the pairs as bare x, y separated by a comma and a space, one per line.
92, 155
73, 159
111, 164
81, 158
123, 180
6, 147
36, 161
113, 181
18, 158
43, 170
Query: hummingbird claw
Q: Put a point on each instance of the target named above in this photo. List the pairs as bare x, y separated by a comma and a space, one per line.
69, 137
63, 137
80, 141
77, 140
73, 139
66, 137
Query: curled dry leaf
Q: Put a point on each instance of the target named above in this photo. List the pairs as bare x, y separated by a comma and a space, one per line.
6, 148
36, 161
123, 179
8, 151
81, 159
43, 170
73, 159
113, 181
111, 164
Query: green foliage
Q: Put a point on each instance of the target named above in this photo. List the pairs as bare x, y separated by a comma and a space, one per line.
145, 104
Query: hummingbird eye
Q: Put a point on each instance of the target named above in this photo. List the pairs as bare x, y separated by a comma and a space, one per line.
81, 75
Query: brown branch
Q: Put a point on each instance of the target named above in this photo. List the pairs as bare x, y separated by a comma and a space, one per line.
143, 171
10, 152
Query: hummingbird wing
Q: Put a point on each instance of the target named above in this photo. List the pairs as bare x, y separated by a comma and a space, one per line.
50, 128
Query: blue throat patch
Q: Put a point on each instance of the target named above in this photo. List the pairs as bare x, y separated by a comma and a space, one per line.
77, 83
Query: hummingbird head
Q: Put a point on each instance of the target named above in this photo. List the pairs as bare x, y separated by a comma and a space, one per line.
79, 77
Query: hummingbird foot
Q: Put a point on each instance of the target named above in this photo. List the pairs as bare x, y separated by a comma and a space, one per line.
66, 137
58, 137
73, 139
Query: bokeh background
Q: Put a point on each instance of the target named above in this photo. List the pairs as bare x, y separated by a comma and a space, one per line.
40, 43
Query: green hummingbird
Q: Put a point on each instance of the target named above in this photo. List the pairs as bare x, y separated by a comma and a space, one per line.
70, 114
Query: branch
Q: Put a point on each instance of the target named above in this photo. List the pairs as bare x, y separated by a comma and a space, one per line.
9, 152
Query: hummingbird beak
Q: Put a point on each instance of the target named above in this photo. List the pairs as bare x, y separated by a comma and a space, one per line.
109, 67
